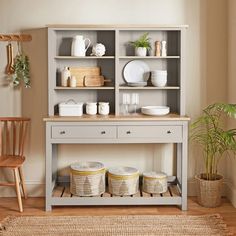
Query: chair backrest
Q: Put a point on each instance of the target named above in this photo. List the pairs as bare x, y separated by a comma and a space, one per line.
12, 135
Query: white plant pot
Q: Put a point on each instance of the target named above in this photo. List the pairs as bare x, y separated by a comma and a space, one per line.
141, 52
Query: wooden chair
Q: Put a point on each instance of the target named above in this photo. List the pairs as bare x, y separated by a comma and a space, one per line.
12, 140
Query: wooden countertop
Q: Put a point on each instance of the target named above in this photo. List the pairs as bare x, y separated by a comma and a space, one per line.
97, 118
122, 26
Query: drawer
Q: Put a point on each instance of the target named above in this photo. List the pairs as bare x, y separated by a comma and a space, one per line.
83, 132
162, 132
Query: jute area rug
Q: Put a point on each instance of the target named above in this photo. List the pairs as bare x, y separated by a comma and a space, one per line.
113, 225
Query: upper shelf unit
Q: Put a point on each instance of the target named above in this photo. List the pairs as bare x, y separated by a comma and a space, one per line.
118, 54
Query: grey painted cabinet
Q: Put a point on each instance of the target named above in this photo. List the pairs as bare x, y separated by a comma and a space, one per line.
116, 128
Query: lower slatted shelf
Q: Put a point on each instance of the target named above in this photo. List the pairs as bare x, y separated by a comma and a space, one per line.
64, 192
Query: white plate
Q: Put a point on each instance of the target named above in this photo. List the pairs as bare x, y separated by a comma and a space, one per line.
137, 84
155, 110
136, 71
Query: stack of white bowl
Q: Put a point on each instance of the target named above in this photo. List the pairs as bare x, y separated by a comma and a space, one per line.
159, 78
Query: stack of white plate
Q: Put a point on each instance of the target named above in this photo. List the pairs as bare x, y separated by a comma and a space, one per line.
155, 110
159, 78
137, 84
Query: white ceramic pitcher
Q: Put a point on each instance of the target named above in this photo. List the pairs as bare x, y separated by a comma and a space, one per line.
78, 47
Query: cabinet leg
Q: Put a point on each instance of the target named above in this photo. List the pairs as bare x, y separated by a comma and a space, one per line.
184, 167
48, 207
49, 156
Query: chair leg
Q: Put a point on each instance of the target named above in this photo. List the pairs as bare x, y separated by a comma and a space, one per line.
22, 178
18, 189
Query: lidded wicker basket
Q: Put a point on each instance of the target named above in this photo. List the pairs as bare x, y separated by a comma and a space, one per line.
123, 181
87, 178
154, 182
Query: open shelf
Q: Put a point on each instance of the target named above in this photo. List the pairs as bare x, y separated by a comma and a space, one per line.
84, 88
64, 191
149, 57
61, 195
150, 88
83, 58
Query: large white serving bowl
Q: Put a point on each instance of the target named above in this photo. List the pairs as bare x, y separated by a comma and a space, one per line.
155, 110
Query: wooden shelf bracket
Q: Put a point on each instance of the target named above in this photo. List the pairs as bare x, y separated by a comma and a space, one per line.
15, 37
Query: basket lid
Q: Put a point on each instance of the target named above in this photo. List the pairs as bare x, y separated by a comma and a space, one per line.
87, 166
123, 170
153, 174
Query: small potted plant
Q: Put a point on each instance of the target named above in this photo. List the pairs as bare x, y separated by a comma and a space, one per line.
217, 142
142, 45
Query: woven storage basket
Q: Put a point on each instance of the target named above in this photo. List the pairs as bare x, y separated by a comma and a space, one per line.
87, 179
209, 191
154, 182
123, 181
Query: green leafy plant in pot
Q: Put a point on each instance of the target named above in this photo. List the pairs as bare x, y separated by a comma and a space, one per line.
217, 143
141, 45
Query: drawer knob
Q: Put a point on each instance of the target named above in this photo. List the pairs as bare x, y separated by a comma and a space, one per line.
128, 132
103, 132
62, 132
168, 132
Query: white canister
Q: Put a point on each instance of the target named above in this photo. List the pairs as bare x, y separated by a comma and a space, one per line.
91, 108
65, 75
103, 108
71, 108
72, 81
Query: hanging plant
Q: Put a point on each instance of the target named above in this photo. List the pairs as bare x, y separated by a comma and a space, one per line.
21, 70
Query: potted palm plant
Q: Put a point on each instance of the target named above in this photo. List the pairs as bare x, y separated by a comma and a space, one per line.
217, 143
141, 45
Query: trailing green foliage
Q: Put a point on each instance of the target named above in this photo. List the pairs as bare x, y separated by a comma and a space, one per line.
21, 71
208, 131
143, 42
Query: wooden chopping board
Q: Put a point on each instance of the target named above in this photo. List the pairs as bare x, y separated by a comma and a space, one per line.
95, 80
81, 72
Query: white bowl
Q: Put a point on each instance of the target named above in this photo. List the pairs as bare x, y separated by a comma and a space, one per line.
158, 72
159, 82
155, 110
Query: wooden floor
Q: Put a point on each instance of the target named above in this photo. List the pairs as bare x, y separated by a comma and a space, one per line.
35, 206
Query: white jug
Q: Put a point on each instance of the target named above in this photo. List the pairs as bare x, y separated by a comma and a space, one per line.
78, 47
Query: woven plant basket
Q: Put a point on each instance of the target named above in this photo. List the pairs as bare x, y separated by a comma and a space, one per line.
209, 191
123, 181
154, 182
87, 179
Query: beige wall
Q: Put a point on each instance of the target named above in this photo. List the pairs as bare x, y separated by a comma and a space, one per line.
205, 69
231, 163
